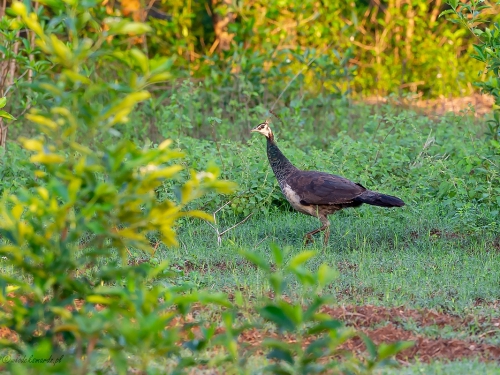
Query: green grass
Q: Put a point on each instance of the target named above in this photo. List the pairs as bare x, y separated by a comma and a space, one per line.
441, 251
416, 256
385, 257
447, 368
438, 252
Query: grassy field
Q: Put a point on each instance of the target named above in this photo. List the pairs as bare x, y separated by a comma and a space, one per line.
410, 259
438, 257
103, 158
428, 272
411, 256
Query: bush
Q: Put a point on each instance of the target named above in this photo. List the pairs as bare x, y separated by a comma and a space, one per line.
361, 47
472, 16
79, 310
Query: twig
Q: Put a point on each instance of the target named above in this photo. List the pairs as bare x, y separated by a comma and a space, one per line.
234, 226
427, 143
265, 238
488, 332
12, 84
378, 151
215, 227
275, 115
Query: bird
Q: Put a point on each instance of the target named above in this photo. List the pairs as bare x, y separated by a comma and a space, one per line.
318, 194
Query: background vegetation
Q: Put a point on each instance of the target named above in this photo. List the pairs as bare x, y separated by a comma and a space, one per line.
121, 125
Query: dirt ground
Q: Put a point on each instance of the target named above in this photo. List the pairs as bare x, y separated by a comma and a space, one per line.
381, 324
482, 104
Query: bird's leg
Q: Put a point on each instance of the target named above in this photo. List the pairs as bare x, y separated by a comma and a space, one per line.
326, 226
308, 239
326, 223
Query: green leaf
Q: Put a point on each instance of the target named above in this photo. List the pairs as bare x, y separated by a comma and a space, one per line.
161, 65
301, 258
214, 298
317, 348
277, 369
7, 115
160, 77
370, 346
3, 101
275, 343
126, 27
326, 275
281, 355
276, 315
390, 350
75, 77
43, 349
328, 325
120, 361
277, 283
140, 58
448, 11
277, 254
257, 260
314, 306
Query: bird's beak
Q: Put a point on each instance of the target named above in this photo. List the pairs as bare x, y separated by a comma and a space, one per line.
253, 130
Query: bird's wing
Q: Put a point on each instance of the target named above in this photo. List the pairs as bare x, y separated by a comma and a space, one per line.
317, 188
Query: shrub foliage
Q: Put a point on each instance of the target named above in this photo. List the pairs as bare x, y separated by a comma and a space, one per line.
74, 305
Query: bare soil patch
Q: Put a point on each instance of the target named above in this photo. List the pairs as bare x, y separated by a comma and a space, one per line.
482, 104
381, 324
369, 316
427, 349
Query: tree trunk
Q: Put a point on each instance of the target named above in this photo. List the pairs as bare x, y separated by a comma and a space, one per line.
3, 133
221, 18
7, 73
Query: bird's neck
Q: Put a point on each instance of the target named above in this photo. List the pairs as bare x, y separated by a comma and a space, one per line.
281, 166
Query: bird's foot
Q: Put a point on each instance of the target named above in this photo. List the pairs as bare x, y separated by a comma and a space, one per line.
308, 239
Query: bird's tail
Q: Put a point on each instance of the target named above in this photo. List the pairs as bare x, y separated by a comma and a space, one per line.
379, 199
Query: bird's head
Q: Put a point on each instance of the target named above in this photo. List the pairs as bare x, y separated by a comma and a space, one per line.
264, 129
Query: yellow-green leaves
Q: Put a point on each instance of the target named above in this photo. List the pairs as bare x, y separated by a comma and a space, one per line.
31, 20
160, 69
120, 26
3, 114
46, 158
301, 258
161, 173
75, 77
6, 115
165, 144
140, 59
199, 214
160, 77
326, 275
91, 196
31, 144
45, 123
120, 110
19, 9
61, 50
